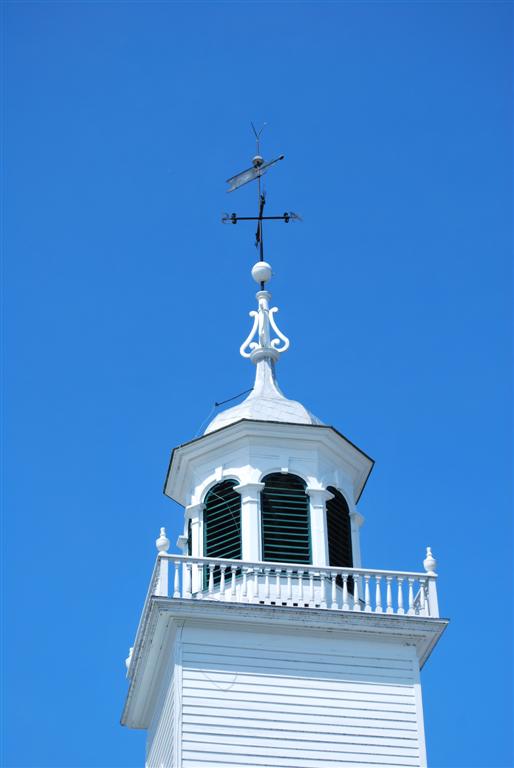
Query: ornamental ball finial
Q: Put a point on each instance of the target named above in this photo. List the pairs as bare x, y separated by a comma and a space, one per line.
261, 272
429, 563
162, 543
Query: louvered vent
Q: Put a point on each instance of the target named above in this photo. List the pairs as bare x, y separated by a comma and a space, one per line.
339, 534
285, 520
222, 523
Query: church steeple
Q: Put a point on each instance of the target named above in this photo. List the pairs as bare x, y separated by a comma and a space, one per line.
269, 643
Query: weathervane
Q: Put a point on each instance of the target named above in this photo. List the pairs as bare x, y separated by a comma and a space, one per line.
265, 342
258, 169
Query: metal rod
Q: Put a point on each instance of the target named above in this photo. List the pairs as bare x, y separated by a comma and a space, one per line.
257, 218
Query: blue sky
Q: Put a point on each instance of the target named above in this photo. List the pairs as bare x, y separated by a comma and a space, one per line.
126, 300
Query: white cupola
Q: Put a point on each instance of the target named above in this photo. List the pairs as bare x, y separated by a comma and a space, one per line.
275, 465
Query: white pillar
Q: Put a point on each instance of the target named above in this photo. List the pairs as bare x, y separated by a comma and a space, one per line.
356, 521
250, 520
318, 519
194, 512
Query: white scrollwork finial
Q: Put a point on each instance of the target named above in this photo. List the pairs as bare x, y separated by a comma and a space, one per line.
264, 325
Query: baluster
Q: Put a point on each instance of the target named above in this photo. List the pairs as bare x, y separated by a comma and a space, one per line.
346, 604
211, 579
256, 572
232, 582
367, 598
311, 588
266, 584
289, 597
378, 595
188, 585
389, 595
244, 594
323, 587
356, 602
250, 585
300, 587
199, 586
334, 592
422, 601
278, 588
176, 579
222, 582
400, 595
411, 596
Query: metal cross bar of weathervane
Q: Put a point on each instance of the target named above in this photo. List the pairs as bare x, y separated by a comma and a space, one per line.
257, 170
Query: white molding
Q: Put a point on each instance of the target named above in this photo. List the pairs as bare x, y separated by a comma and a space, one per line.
194, 510
177, 693
252, 490
235, 445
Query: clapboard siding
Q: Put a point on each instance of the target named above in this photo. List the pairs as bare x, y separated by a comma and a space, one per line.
161, 734
297, 702
197, 755
307, 721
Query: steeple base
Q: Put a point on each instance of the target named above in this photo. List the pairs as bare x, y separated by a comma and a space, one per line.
239, 685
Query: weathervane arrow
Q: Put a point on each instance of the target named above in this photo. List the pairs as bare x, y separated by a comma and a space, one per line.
258, 169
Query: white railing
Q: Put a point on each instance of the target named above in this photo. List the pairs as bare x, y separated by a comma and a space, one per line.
299, 585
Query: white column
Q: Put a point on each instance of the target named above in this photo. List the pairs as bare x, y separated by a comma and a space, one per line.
356, 522
194, 512
318, 518
250, 520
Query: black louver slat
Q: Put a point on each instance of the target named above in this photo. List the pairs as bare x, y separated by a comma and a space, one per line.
285, 520
222, 524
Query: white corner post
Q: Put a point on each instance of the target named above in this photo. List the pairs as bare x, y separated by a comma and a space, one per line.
356, 523
430, 564
162, 544
194, 512
318, 520
250, 520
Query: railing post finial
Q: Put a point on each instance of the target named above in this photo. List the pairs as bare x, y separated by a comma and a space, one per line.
430, 563
162, 543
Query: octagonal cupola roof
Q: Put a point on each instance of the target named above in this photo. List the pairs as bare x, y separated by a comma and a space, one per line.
263, 347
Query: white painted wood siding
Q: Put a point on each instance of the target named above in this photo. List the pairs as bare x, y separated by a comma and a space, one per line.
297, 701
160, 744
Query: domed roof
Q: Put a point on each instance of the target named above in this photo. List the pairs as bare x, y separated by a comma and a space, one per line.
264, 403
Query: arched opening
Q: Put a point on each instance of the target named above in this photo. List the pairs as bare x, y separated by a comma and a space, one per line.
339, 533
222, 523
285, 520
